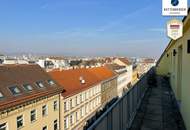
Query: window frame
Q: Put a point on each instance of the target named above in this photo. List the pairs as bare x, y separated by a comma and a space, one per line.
55, 105
55, 122
22, 121
50, 82
26, 88
40, 84
33, 114
44, 110
13, 90
4, 126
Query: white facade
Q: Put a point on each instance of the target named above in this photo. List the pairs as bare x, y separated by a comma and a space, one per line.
128, 75
41, 63
78, 108
124, 80
14, 61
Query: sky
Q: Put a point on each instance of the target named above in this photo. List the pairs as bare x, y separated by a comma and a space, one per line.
83, 27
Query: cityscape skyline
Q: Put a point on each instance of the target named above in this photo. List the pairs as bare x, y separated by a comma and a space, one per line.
102, 28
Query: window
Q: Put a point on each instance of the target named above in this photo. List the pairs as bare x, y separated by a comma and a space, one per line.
3, 126
71, 119
44, 128
51, 82
40, 84
80, 112
55, 125
55, 105
27, 87
78, 100
66, 106
33, 115
83, 97
66, 122
80, 97
14, 90
44, 110
71, 103
1, 96
76, 114
83, 110
20, 121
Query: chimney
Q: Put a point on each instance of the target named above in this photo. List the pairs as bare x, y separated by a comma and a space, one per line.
81, 79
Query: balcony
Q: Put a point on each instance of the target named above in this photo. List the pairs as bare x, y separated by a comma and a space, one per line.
149, 105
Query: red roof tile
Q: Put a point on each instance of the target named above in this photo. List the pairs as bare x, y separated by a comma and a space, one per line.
70, 79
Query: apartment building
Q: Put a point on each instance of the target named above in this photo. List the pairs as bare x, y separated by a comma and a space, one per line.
122, 84
82, 96
125, 62
81, 99
29, 99
174, 63
108, 80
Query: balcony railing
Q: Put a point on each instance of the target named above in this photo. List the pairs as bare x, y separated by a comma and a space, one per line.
121, 114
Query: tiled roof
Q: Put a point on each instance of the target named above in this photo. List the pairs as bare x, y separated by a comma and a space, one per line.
125, 60
117, 68
18, 75
70, 79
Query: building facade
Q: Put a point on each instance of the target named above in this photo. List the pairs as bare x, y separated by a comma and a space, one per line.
108, 83
125, 62
122, 83
174, 63
83, 94
29, 99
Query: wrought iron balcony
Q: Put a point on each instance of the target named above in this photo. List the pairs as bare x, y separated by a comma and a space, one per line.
149, 105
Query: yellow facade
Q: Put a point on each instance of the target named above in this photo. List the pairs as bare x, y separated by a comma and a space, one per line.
10, 118
177, 68
134, 77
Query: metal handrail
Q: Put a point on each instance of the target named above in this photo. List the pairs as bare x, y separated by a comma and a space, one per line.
133, 106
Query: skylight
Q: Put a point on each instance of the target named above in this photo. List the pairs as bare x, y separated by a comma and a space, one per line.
14, 90
27, 87
51, 82
40, 84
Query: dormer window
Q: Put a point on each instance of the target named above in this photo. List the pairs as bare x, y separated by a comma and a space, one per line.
51, 82
14, 90
27, 87
40, 84
1, 95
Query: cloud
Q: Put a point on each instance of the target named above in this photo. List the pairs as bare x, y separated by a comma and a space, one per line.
117, 22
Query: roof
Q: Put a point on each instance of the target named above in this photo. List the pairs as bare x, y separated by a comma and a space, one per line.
117, 68
18, 75
125, 61
103, 73
70, 79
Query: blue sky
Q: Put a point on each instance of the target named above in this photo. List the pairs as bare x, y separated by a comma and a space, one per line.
83, 27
